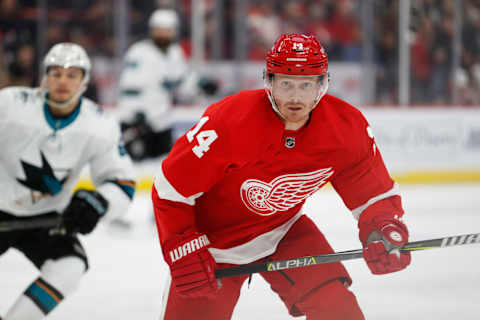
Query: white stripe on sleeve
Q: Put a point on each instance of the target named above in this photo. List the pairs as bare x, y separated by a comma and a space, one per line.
392, 192
166, 191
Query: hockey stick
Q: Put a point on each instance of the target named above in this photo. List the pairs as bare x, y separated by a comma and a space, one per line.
341, 256
32, 223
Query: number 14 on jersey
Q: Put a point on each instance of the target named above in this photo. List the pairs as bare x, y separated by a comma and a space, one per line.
204, 138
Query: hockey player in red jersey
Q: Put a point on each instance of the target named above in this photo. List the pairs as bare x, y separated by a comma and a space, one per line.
232, 189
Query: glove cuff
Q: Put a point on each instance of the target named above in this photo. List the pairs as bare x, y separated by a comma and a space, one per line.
94, 199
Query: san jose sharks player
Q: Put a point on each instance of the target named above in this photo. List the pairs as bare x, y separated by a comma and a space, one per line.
47, 136
156, 73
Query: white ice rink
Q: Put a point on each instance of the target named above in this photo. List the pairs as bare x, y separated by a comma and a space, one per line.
127, 272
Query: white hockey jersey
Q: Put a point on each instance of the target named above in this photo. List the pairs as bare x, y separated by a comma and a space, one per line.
149, 78
42, 156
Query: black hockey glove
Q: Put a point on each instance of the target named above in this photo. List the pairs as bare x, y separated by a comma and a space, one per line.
208, 86
84, 211
136, 136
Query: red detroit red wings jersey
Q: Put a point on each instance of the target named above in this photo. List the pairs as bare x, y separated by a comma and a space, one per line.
242, 179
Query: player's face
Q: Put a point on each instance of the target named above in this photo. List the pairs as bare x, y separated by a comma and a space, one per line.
63, 83
295, 97
162, 37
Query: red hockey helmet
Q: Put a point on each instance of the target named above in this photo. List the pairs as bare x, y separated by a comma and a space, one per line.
297, 54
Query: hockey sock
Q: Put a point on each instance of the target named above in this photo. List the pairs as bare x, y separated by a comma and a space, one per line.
45, 296
38, 300
58, 279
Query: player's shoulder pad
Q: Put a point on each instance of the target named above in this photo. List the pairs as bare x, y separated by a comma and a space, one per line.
20, 95
137, 52
343, 112
177, 49
348, 123
237, 108
91, 107
140, 47
93, 114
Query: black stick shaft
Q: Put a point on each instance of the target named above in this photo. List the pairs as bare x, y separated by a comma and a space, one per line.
341, 256
33, 223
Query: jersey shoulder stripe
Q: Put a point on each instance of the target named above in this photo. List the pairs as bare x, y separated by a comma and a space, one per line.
166, 191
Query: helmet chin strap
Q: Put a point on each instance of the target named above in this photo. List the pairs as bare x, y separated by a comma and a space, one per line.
272, 101
321, 94
62, 105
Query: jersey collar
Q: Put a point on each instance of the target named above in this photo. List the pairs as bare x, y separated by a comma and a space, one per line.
57, 123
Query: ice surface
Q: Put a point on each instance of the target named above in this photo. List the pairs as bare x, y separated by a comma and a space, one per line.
126, 276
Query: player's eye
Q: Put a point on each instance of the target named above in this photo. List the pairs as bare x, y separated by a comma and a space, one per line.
306, 85
74, 74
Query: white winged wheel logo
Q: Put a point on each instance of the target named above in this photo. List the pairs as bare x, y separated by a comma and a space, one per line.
282, 193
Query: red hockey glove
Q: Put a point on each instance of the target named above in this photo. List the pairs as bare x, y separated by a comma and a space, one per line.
381, 238
191, 264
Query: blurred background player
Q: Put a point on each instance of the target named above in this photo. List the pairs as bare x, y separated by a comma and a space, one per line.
47, 136
155, 73
231, 192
